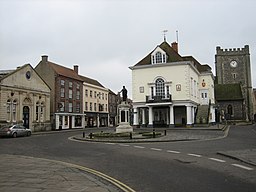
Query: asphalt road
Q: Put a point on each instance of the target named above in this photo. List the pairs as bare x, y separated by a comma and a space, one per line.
152, 167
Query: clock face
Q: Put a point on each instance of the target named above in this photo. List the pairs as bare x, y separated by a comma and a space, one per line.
233, 63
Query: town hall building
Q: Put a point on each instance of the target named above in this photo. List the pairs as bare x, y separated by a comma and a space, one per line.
170, 90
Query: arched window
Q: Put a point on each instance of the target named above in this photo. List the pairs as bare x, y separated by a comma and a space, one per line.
160, 87
230, 110
158, 57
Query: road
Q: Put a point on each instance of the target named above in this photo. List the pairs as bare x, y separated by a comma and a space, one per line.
152, 167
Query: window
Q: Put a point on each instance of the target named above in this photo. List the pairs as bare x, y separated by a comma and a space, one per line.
70, 84
86, 106
77, 86
95, 94
77, 94
62, 83
90, 93
102, 95
95, 107
234, 75
62, 108
37, 111
78, 107
70, 93
106, 107
106, 96
90, 106
62, 92
160, 87
70, 107
42, 112
168, 91
158, 57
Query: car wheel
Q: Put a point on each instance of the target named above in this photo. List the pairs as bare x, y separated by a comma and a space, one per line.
28, 133
14, 135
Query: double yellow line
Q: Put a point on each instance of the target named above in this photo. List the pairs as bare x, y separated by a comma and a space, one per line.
113, 181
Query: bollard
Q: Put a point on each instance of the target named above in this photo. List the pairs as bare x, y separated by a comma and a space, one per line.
154, 134
83, 134
130, 135
90, 135
165, 132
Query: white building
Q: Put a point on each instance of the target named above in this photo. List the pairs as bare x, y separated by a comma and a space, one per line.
170, 90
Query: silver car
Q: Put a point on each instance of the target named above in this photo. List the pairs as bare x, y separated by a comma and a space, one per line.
15, 131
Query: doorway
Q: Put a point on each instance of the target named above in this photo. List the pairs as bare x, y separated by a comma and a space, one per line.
26, 116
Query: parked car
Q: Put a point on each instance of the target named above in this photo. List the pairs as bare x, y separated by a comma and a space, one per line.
14, 131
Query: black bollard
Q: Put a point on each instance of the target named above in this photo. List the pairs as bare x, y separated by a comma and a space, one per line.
165, 132
83, 134
90, 135
154, 134
130, 135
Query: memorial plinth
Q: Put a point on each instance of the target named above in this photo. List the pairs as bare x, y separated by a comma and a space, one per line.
124, 118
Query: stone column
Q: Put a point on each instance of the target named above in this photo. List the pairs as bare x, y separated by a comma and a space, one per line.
143, 117
171, 123
57, 121
135, 117
150, 116
189, 115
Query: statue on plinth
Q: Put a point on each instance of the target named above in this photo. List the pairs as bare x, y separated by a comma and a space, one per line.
124, 114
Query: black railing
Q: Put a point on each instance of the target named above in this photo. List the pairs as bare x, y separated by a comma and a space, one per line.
158, 98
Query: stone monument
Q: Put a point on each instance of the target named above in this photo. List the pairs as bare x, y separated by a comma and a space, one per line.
124, 114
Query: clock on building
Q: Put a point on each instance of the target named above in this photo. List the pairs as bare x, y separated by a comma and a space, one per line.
233, 63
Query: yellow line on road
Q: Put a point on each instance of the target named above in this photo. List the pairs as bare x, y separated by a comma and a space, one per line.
112, 180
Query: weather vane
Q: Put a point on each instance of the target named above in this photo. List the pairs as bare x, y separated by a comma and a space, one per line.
164, 32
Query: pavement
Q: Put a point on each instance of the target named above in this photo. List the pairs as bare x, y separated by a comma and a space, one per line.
30, 174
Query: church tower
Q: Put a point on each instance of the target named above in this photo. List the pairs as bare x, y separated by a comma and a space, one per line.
233, 67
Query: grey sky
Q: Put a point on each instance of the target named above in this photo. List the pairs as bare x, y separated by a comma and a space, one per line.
105, 37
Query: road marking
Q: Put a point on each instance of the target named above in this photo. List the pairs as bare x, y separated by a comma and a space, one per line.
218, 160
170, 151
156, 149
243, 167
194, 155
124, 145
109, 143
110, 179
139, 147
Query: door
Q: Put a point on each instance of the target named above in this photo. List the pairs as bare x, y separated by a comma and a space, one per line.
26, 116
204, 97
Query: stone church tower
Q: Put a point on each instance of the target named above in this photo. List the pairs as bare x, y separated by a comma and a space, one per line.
233, 67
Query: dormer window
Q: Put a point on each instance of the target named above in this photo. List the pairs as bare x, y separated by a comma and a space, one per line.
158, 56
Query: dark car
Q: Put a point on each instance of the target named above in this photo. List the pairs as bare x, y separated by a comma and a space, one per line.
14, 131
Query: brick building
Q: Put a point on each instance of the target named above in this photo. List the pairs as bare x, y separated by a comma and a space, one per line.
66, 94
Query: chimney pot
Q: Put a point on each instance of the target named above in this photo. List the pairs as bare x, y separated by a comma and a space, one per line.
76, 68
45, 58
175, 46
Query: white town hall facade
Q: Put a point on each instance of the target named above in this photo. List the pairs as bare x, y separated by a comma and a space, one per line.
168, 89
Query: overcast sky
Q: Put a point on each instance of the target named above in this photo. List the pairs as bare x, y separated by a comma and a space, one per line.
105, 37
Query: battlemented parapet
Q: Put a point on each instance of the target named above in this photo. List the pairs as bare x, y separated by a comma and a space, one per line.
235, 51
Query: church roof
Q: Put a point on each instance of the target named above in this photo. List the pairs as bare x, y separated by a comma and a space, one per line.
228, 92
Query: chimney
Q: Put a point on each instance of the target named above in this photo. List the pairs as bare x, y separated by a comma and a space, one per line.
44, 58
76, 68
175, 46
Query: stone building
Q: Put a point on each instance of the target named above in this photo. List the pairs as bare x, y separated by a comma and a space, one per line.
95, 103
24, 99
66, 94
233, 87
171, 90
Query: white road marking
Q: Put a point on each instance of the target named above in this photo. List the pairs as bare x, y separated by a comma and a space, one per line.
243, 167
139, 147
170, 151
110, 143
194, 155
156, 149
218, 160
124, 145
